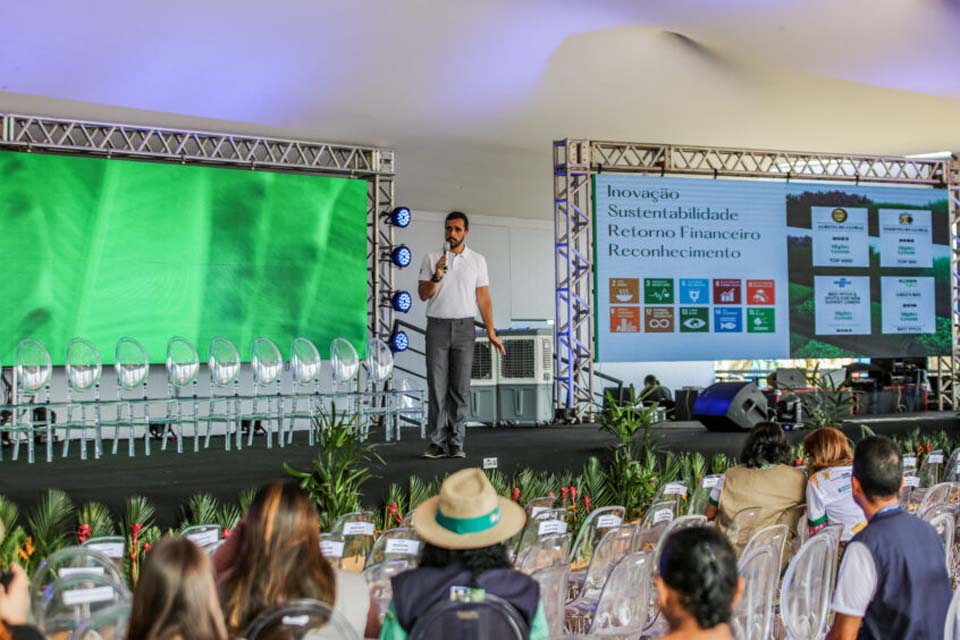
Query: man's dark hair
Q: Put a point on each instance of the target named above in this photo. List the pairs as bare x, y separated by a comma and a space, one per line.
765, 445
650, 380
476, 560
701, 566
878, 465
458, 215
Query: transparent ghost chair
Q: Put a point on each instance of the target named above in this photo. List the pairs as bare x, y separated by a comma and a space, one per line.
545, 523
614, 545
357, 531
67, 562
700, 497
183, 366
742, 526
82, 410
401, 543
410, 407
623, 607
952, 629
224, 403
807, 588
378, 403
301, 620
553, 595
344, 369
754, 614
774, 536
109, 624
305, 366
945, 523
132, 365
659, 512
378, 577
937, 494
33, 370
69, 603
267, 403
931, 468
591, 531
546, 551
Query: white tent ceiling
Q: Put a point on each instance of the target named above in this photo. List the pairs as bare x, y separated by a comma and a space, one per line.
471, 93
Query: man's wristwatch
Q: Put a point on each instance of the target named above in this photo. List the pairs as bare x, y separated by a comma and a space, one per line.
434, 278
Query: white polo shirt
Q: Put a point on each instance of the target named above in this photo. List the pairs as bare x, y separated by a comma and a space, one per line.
456, 296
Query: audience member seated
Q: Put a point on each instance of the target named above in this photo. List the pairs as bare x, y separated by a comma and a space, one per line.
14, 605
829, 490
176, 597
763, 479
274, 556
893, 581
464, 530
653, 391
698, 584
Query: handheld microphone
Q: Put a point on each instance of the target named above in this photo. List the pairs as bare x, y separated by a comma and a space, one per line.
446, 250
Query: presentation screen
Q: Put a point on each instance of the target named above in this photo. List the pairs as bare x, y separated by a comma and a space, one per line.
101, 249
703, 269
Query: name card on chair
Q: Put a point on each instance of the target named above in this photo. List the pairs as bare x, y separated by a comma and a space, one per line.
675, 489
607, 521
331, 549
709, 482
548, 527
63, 572
109, 549
911, 481
663, 515
204, 538
296, 621
358, 529
909, 462
935, 458
403, 545
87, 596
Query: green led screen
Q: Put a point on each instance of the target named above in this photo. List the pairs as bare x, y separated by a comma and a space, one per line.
102, 249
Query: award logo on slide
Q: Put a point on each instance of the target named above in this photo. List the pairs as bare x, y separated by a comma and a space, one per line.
839, 215
624, 290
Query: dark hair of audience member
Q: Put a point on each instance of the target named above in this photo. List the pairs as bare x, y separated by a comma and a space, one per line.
700, 565
878, 465
476, 560
279, 558
825, 448
176, 598
765, 445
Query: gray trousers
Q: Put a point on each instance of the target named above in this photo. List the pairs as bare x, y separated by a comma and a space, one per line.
449, 361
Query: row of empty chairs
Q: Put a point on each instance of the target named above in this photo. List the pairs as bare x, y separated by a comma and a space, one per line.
86, 412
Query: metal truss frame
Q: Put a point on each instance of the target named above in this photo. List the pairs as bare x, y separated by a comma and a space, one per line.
575, 161
373, 164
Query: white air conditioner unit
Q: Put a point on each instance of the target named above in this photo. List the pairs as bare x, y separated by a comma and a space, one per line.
486, 364
529, 358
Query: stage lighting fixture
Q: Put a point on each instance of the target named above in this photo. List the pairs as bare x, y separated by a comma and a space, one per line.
401, 256
401, 301
400, 217
399, 341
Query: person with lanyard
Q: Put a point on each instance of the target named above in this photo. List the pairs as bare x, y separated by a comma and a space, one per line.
893, 580
455, 285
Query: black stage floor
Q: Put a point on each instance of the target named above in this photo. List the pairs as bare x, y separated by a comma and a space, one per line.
168, 478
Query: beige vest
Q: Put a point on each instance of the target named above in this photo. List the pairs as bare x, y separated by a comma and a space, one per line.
774, 489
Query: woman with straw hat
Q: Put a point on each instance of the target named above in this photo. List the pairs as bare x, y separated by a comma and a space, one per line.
464, 530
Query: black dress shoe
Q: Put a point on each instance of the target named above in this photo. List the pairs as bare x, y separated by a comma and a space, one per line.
434, 452
457, 452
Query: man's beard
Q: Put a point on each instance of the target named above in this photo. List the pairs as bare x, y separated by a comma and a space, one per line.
454, 243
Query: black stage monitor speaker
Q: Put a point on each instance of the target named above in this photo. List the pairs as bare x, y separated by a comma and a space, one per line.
730, 406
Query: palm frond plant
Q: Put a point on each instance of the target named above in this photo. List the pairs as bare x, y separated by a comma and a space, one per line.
246, 498
394, 508
201, 508
50, 524
625, 421
335, 480
137, 526
94, 521
13, 537
417, 492
498, 479
720, 462
228, 516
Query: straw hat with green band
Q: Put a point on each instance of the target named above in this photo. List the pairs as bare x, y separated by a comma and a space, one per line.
468, 514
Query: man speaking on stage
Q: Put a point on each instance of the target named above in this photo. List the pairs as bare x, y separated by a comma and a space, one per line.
454, 283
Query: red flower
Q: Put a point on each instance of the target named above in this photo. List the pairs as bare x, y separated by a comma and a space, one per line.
927, 447
515, 494
146, 547
136, 527
226, 533
563, 494
83, 533
573, 494
392, 508
798, 462
551, 495
586, 502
